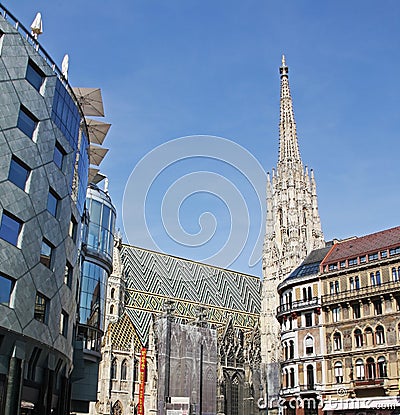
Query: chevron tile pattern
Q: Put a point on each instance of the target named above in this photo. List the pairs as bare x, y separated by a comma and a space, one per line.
151, 278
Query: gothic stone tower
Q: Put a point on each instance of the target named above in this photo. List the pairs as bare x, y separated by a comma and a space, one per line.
293, 230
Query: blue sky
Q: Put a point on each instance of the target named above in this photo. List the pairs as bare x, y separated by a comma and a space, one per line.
170, 69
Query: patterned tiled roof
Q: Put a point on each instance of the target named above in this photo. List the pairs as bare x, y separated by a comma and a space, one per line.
363, 245
152, 278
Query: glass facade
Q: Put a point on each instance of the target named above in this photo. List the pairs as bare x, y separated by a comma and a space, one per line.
101, 227
83, 167
93, 288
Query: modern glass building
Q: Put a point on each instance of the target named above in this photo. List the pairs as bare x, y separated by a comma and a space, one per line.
98, 234
45, 156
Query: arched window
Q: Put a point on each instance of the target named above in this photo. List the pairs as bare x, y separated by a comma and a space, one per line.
309, 345
235, 396
285, 349
310, 377
118, 408
114, 369
369, 338
111, 309
112, 292
371, 368
339, 372
291, 378
382, 371
358, 338
291, 349
285, 378
360, 369
124, 367
337, 341
380, 335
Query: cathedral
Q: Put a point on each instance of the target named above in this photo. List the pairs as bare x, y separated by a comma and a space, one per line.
159, 306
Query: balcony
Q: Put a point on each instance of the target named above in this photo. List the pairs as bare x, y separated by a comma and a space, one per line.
368, 291
368, 383
296, 306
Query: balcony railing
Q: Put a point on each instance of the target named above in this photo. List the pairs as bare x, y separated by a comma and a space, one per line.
297, 305
368, 291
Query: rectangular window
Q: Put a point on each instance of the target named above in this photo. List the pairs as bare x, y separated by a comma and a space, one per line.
336, 314
394, 251
336, 287
52, 203
10, 228
6, 286
332, 267
18, 173
343, 264
373, 257
383, 254
353, 261
41, 308
356, 311
378, 307
331, 288
34, 75
308, 318
46, 253
64, 323
357, 282
351, 283
68, 274
58, 156
363, 259
26, 122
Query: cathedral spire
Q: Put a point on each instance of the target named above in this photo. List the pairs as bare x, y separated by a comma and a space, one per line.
288, 145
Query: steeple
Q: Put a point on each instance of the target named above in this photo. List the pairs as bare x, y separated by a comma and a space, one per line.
288, 144
293, 230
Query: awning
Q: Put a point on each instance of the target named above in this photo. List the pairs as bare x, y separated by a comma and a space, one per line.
90, 100
97, 130
96, 154
95, 176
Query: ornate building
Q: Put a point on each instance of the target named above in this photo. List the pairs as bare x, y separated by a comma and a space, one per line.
293, 230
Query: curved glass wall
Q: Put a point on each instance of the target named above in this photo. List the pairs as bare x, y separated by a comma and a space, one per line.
100, 236
92, 299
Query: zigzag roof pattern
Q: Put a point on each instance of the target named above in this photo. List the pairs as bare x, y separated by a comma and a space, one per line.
151, 278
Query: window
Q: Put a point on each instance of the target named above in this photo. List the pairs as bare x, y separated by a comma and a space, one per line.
370, 368
310, 377
358, 338
286, 351
373, 257
73, 226
114, 369
112, 293
291, 378
394, 251
335, 314
111, 309
309, 343
6, 286
337, 341
18, 173
357, 282
10, 228
124, 367
363, 259
383, 254
336, 287
394, 275
372, 279
68, 274
356, 310
52, 203
46, 253
378, 278
378, 307
64, 323
332, 267
369, 338
41, 308
353, 261
34, 75
32, 363
339, 372
343, 264
309, 293
308, 319
382, 371
58, 155
26, 122
331, 287
380, 335
291, 349
351, 283
360, 369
